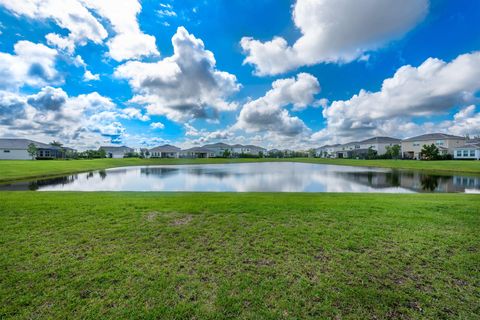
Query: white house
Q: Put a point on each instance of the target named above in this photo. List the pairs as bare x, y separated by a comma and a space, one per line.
17, 149
116, 152
469, 151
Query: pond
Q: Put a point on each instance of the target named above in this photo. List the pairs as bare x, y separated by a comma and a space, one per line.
254, 177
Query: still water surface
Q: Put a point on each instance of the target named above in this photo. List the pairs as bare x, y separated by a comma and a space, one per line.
254, 177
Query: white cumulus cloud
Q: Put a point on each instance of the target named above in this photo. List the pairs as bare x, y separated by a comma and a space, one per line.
157, 125
87, 120
186, 85
267, 113
334, 31
435, 87
86, 21
31, 64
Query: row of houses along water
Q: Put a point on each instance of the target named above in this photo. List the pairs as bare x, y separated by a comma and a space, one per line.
456, 146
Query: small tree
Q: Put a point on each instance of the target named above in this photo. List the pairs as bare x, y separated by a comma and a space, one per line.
226, 153
393, 151
371, 153
32, 150
430, 152
312, 153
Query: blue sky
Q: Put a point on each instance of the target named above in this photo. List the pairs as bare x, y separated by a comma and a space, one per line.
276, 73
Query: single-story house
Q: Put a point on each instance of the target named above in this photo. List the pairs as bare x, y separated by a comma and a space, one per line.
165, 151
17, 149
197, 152
116, 152
446, 143
235, 150
219, 148
468, 151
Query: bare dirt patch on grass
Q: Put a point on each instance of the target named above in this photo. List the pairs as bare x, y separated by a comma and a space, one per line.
151, 216
181, 221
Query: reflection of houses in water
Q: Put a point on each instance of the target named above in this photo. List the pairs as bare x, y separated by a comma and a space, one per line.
467, 182
162, 172
373, 179
219, 174
415, 181
35, 185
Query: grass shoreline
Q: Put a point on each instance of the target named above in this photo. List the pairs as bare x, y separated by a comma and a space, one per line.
114, 255
16, 170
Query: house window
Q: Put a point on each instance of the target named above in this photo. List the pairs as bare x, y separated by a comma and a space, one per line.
459, 153
465, 153
440, 142
416, 144
472, 153
6, 151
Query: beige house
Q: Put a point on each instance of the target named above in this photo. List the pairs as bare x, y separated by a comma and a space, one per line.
446, 143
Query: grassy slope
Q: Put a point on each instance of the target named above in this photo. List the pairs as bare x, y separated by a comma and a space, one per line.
270, 256
18, 169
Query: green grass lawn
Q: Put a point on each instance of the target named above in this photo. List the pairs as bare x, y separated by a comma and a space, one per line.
24, 169
247, 256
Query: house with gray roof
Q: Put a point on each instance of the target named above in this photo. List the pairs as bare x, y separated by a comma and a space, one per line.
446, 143
197, 152
379, 144
327, 151
235, 150
17, 149
116, 152
470, 151
165, 151
219, 148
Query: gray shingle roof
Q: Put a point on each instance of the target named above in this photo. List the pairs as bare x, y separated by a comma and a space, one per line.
381, 140
251, 146
198, 149
22, 144
433, 136
165, 148
217, 145
470, 146
116, 149
329, 146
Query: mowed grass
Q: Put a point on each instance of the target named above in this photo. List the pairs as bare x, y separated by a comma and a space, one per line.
239, 256
25, 169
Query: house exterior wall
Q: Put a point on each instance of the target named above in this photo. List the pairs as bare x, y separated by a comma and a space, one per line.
381, 148
115, 155
467, 153
14, 154
158, 154
196, 154
413, 148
